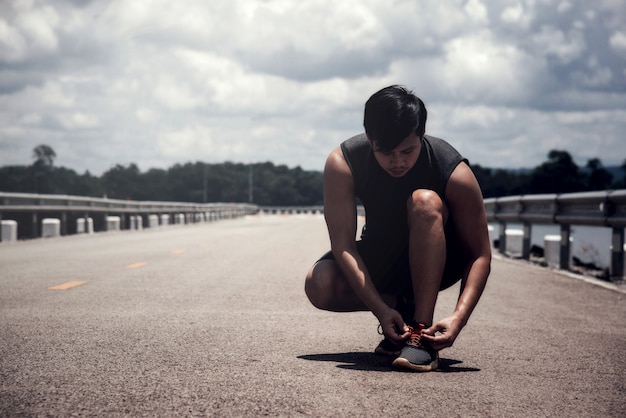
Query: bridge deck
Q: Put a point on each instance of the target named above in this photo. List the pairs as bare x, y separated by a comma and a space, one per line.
211, 319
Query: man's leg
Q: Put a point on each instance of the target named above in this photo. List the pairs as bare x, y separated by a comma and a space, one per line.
327, 289
427, 215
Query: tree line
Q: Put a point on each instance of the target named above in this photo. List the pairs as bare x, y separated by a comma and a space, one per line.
267, 184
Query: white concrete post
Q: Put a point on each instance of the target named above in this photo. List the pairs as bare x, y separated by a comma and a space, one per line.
9, 230
50, 227
552, 251
514, 241
113, 223
81, 228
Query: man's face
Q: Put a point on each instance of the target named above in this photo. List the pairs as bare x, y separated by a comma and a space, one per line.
401, 159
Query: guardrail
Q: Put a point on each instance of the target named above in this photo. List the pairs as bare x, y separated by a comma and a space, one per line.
131, 214
294, 210
607, 209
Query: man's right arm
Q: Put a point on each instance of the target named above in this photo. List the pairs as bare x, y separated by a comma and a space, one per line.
340, 215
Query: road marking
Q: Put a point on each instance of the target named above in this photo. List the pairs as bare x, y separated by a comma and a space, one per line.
68, 285
136, 265
176, 252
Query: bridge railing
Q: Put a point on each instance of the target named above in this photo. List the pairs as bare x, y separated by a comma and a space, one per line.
606, 209
30, 208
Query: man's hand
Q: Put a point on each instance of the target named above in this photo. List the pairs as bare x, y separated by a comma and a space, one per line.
448, 328
393, 326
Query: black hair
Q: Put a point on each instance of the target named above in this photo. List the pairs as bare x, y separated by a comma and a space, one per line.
392, 114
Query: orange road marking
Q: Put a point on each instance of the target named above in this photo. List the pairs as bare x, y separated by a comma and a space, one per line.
176, 252
136, 265
65, 286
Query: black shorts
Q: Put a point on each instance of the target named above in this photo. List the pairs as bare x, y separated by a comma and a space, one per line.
396, 278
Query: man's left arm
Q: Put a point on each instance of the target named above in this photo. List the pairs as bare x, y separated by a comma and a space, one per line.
466, 210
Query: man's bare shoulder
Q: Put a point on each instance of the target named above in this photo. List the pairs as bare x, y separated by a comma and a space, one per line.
336, 164
462, 185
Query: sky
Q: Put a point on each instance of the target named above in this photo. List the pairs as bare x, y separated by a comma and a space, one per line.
157, 83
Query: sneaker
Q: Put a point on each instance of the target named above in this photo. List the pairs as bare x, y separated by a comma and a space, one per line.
388, 348
417, 355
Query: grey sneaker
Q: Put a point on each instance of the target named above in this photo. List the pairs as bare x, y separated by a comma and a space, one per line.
417, 355
388, 348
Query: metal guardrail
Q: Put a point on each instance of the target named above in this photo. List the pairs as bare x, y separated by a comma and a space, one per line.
70, 207
607, 209
291, 210
590, 208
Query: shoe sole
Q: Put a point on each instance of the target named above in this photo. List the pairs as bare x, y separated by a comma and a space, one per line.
402, 363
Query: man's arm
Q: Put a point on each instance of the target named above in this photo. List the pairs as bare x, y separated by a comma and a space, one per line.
466, 208
340, 215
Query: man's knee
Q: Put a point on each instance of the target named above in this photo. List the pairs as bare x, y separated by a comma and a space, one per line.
426, 205
318, 285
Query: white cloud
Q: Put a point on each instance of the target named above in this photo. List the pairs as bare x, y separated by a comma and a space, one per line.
31, 33
554, 42
478, 67
78, 121
618, 43
564, 6
285, 81
187, 141
12, 43
477, 11
517, 15
176, 94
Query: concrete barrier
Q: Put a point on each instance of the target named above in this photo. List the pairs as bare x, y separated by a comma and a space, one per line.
514, 239
153, 221
179, 219
165, 219
113, 223
493, 235
83, 227
552, 250
9, 230
50, 227
136, 222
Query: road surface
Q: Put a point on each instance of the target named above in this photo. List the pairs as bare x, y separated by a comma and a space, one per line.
211, 320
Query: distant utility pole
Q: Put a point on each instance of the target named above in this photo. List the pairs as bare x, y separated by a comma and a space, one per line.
205, 183
250, 184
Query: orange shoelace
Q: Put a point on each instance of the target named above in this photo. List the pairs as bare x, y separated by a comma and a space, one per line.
416, 335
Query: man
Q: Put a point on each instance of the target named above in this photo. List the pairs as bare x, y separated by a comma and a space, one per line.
425, 230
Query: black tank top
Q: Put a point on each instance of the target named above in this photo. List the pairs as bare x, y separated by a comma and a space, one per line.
384, 197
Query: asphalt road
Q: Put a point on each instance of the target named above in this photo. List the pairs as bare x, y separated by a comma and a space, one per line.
212, 320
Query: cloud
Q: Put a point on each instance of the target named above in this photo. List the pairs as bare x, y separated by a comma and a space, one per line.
158, 83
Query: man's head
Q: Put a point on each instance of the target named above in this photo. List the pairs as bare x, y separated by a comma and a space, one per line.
391, 115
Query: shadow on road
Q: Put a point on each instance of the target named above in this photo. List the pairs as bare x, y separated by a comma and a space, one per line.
377, 363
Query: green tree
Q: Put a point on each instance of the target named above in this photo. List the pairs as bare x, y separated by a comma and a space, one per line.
41, 169
499, 182
122, 182
622, 184
44, 156
557, 175
598, 178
